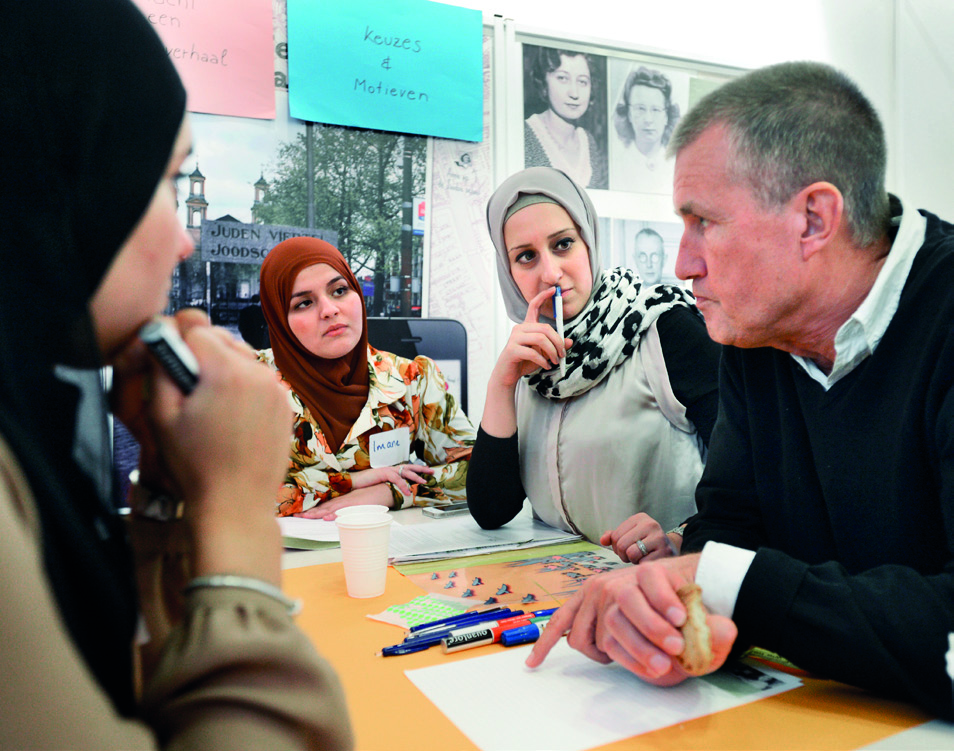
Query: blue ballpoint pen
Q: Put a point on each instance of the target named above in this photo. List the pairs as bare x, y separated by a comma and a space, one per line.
411, 646
471, 618
454, 618
417, 642
558, 315
442, 631
414, 644
535, 615
405, 649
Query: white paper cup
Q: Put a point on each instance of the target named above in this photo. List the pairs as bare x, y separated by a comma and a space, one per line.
364, 552
364, 509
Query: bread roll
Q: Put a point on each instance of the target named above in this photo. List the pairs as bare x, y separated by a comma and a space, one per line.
697, 655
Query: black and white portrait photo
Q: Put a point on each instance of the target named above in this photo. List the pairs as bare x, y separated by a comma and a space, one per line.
649, 248
564, 94
647, 104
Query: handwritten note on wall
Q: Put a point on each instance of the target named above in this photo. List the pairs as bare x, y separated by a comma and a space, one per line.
409, 66
223, 51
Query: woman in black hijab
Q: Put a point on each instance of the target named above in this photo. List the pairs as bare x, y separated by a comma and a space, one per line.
93, 133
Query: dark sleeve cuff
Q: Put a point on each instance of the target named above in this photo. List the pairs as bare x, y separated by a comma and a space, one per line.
495, 492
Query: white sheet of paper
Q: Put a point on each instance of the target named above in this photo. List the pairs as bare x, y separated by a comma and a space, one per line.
390, 447
571, 703
461, 535
452, 537
930, 736
314, 529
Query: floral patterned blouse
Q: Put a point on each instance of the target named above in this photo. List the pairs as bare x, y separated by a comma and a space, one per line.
403, 393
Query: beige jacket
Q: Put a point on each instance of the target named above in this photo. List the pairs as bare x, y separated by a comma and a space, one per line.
235, 674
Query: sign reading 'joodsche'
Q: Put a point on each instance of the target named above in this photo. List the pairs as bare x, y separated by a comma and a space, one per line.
235, 242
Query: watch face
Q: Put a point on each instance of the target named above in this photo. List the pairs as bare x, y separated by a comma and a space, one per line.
144, 501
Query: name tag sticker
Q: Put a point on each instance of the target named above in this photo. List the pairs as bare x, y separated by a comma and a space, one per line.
390, 448
450, 369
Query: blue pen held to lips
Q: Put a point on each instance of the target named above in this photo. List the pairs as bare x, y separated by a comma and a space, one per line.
558, 314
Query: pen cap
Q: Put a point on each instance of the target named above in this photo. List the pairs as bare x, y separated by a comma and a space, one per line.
170, 350
522, 634
159, 332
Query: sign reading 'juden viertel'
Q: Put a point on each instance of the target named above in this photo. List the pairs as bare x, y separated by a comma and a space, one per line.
235, 242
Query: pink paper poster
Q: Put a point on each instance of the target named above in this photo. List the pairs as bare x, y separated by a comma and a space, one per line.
223, 51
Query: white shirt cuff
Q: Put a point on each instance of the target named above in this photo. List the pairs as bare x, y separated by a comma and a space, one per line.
720, 573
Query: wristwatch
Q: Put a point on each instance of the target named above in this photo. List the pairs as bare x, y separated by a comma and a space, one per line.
152, 503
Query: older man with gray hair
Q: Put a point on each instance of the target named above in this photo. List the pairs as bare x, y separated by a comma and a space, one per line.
826, 523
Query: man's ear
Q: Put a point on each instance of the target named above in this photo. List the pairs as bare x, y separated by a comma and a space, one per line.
822, 208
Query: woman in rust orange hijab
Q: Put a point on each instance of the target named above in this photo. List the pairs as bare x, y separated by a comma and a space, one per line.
345, 393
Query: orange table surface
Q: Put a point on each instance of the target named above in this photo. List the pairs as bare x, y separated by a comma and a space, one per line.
390, 714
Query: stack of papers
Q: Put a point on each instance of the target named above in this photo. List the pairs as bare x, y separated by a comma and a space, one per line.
461, 536
295, 529
454, 537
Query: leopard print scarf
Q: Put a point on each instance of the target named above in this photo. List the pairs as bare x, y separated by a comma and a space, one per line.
607, 331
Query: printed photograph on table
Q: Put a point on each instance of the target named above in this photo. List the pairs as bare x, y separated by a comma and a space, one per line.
648, 248
533, 580
564, 100
646, 102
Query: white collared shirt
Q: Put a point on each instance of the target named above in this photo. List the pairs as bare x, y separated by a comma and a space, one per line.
860, 334
723, 567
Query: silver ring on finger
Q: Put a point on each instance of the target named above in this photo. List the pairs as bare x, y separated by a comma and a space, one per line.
642, 547
401, 470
